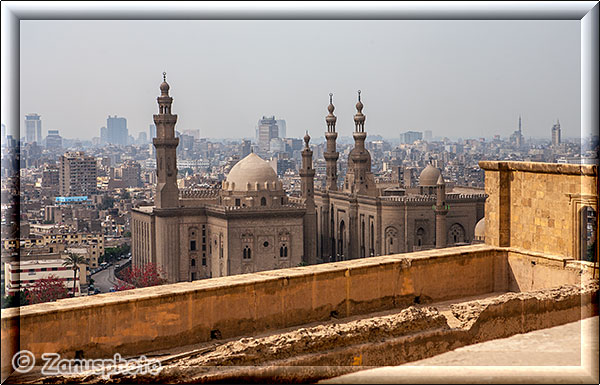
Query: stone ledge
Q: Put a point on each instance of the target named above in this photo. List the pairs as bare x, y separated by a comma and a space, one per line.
540, 167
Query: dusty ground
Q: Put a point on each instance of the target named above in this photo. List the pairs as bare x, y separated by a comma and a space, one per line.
325, 350
562, 354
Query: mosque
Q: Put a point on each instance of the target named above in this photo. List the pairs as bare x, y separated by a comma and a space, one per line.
252, 225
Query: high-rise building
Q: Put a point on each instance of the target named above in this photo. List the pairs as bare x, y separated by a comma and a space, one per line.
410, 137
267, 130
556, 133
116, 130
245, 148
50, 177
33, 128
77, 174
282, 128
130, 173
427, 135
152, 131
53, 140
142, 138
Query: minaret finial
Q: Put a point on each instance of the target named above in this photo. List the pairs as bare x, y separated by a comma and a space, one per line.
306, 139
359, 118
330, 97
164, 76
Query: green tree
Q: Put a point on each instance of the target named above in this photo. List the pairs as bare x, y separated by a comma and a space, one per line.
73, 261
17, 299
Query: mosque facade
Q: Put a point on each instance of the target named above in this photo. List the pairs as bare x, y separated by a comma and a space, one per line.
252, 225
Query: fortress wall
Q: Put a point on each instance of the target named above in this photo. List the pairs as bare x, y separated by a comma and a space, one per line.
142, 320
149, 319
535, 206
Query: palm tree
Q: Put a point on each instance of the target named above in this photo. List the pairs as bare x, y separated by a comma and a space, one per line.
73, 261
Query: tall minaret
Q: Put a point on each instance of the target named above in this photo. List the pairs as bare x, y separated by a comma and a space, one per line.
359, 178
519, 124
331, 155
307, 180
441, 209
167, 193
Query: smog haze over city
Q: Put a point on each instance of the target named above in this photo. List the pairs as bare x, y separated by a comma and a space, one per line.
327, 199
455, 78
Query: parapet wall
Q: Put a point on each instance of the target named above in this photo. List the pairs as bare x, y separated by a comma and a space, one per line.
142, 320
536, 206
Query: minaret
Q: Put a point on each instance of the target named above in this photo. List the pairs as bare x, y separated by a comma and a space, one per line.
441, 209
167, 193
307, 180
331, 155
359, 179
519, 124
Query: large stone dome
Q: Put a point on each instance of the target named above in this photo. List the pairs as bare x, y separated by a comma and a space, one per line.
249, 171
429, 176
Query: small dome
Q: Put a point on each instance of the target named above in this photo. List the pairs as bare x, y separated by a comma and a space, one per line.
480, 229
429, 176
164, 87
249, 171
306, 138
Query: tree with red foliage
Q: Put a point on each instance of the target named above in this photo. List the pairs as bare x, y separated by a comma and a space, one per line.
140, 276
47, 290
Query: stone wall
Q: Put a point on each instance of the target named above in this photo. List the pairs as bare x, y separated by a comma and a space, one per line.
535, 206
149, 319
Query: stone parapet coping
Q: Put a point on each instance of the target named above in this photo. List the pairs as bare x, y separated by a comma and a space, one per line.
540, 167
134, 295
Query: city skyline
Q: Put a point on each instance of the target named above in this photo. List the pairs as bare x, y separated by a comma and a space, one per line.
478, 75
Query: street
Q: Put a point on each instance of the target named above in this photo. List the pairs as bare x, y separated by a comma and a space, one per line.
105, 279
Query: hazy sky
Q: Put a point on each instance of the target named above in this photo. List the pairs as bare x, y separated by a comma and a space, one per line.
455, 78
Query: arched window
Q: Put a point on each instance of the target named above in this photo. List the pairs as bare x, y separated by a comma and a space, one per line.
263, 201
362, 238
456, 234
341, 238
372, 240
247, 252
391, 233
420, 236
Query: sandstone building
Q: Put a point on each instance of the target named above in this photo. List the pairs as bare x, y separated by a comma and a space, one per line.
363, 219
251, 224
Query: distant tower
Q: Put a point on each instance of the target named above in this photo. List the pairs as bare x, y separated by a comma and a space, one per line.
33, 128
440, 213
331, 155
556, 133
167, 193
307, 179
519, 141
359, 178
